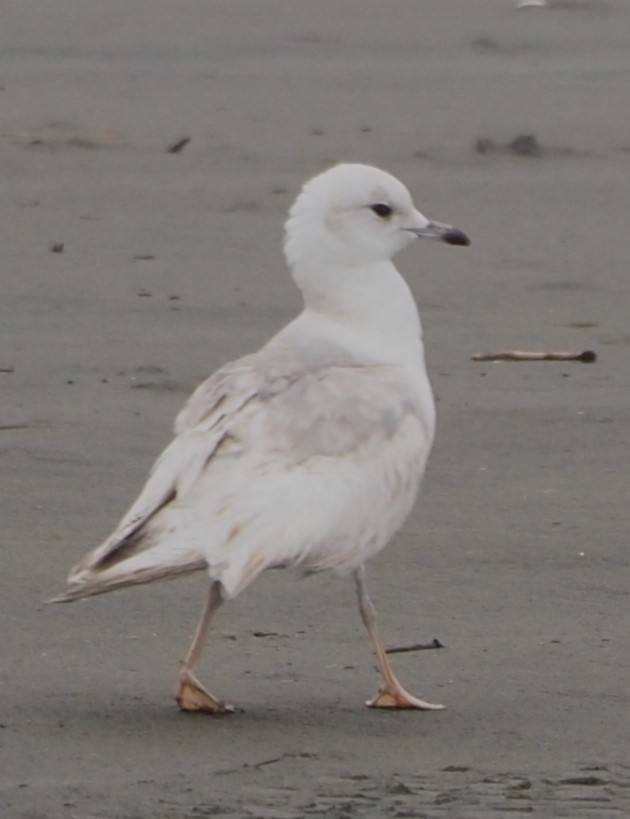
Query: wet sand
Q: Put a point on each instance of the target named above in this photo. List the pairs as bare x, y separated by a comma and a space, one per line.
167, 265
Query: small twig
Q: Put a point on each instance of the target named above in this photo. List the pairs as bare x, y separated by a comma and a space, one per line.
586, 356
271, 761
435, 643
178, 147
63, 136
288, 755
35, 425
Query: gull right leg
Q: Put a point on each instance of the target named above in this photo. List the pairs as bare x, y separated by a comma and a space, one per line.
191, 694
391, 693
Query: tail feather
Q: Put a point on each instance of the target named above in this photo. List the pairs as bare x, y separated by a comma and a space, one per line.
150, 542
91, 584
144, 557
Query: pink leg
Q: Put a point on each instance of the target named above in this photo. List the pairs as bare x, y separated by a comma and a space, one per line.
391, 693
191, 694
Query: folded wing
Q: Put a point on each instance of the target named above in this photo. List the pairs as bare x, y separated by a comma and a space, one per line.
249, 437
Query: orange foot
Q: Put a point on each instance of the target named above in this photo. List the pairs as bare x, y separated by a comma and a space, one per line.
192, 696
395, 696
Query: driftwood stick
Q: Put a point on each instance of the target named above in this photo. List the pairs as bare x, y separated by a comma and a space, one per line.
586, 356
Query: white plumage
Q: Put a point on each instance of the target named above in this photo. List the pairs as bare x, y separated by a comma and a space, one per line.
308, 453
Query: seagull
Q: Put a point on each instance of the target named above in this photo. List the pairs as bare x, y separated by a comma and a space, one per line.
308, 453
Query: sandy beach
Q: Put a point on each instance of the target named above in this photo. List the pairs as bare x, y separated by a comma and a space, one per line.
130, 272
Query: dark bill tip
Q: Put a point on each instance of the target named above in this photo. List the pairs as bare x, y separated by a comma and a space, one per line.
454, 236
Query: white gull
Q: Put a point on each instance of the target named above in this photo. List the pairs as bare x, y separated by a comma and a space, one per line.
310, 452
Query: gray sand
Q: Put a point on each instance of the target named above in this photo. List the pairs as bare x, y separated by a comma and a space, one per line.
516, 557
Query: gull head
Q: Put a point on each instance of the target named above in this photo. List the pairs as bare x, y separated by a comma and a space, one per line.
353, 215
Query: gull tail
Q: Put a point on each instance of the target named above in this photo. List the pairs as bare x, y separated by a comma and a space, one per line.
143, 557
144, 546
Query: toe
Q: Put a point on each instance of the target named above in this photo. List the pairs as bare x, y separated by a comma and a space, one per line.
401, 699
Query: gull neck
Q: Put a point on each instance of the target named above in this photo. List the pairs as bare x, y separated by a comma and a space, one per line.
374, 298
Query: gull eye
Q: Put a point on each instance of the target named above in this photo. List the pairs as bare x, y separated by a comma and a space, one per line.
382, 210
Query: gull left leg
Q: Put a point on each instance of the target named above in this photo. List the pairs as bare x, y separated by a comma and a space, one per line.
391, 693
191, 695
